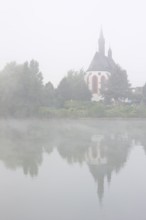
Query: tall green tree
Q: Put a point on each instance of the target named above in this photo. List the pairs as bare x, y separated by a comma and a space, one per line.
20, 89
73, 87
49, 95
144, 94
117, 87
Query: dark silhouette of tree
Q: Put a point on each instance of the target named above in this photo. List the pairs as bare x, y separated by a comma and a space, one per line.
20, 89
117, 88
49, 95
73, 87
144, 94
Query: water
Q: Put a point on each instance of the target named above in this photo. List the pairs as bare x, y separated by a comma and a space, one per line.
73, 169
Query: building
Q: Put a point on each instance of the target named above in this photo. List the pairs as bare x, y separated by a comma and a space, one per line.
99, 70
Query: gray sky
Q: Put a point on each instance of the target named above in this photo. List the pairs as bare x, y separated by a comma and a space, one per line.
63, 34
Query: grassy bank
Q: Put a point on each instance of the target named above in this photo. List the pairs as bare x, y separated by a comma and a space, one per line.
94, 110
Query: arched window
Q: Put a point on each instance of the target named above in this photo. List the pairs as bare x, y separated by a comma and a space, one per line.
95, 84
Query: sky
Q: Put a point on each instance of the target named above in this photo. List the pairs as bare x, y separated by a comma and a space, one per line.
63, 34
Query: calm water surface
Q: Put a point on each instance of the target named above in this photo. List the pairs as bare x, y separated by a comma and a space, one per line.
73, 170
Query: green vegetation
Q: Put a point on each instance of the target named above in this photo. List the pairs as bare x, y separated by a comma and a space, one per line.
95, 110
23, 94
21, 89
117, 87
73, 87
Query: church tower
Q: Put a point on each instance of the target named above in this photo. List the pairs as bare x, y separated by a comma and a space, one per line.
110, 53
99, 70
101, 43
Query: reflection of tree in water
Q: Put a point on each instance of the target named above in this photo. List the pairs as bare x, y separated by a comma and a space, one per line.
114, 149
23, 147
138, 133
102, 145
73, 146
21, 152
105, 152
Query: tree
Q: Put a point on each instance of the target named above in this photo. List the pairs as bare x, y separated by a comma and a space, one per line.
49, 95
144, 94
73, 87
20, 89
31, 85
117, 87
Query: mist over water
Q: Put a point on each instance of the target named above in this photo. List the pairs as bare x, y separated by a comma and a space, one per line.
72, 169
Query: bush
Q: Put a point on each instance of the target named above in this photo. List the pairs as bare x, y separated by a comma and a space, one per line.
97, 110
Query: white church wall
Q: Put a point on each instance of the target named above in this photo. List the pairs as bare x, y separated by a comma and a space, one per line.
89, 80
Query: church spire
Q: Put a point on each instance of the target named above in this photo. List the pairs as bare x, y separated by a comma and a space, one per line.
101, 43
110, 53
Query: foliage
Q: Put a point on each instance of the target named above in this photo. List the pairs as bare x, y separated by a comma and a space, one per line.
144, 94
20, 89
73, 87
49, 95
22, 94
117, 87
135, 97
95, 110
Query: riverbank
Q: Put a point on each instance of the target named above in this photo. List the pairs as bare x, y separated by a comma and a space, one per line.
78, 110
94, 110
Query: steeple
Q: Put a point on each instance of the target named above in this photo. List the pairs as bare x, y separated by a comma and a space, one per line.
109, 53
101, 43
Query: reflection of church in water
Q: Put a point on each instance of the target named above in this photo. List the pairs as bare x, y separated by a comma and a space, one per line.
103, 148
99, 70
105, 155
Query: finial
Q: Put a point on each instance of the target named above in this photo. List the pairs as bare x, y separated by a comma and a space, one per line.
101, 43
101, 32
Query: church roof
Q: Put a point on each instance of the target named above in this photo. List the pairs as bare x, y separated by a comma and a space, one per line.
101, 63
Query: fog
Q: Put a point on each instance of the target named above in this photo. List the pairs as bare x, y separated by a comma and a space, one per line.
72, 142
63, 35
53, 169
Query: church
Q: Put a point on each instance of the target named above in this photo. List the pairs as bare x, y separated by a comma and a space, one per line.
99, 70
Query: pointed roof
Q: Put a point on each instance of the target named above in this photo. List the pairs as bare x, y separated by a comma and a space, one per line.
101, 33
101, 43
110, 53
101, 63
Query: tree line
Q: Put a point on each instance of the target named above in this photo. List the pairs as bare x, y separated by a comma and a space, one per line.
23, 93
